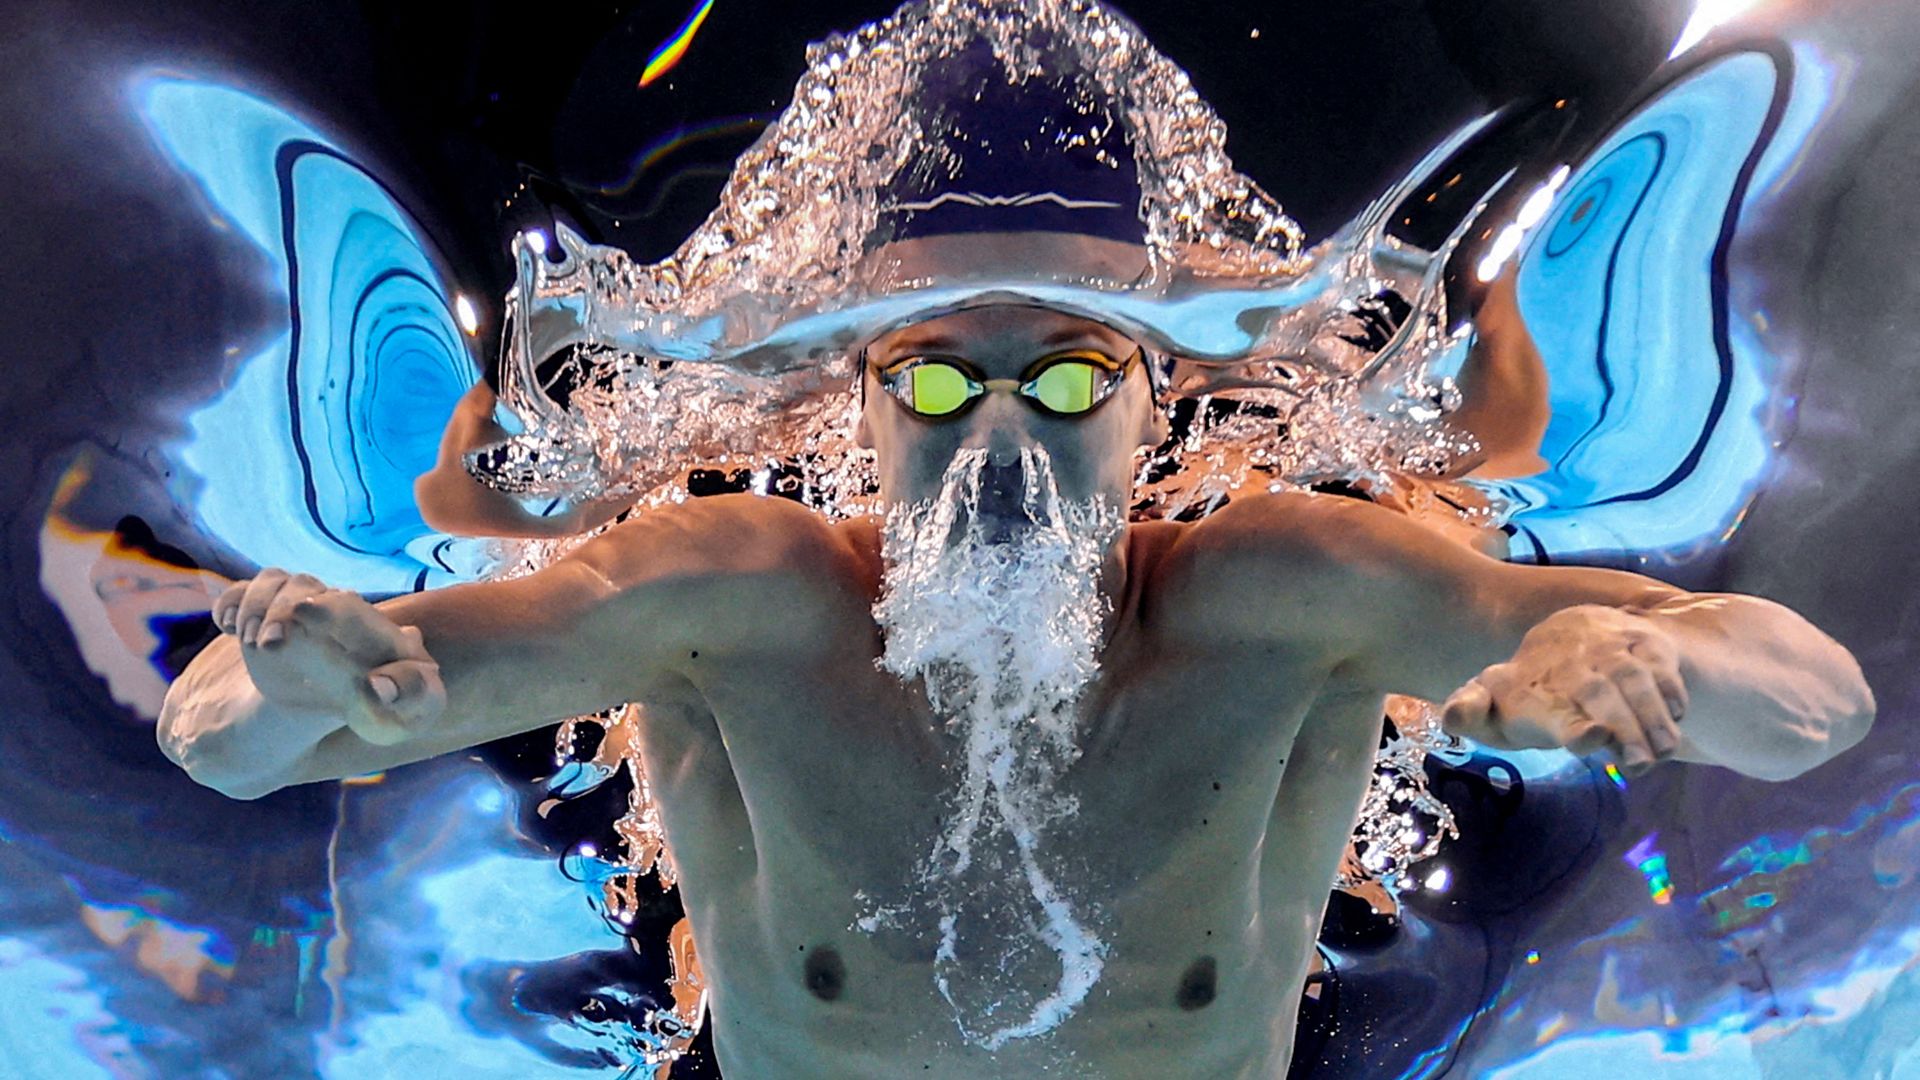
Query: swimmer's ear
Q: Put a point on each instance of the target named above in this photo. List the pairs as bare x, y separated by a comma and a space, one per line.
862, 428
1154, 426
863, 432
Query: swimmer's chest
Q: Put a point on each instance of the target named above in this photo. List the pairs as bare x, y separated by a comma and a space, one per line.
1182, 755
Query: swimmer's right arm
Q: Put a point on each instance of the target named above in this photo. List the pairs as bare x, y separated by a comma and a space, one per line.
614, 621
255, 712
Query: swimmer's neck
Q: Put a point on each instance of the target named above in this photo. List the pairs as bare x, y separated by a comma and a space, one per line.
1115, 575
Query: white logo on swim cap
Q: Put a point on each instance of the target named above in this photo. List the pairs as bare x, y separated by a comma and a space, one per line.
974, 198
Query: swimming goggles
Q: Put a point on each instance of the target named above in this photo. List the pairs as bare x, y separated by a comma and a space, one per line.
1069, 383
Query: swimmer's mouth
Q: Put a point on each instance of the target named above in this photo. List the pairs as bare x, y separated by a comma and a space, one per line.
1003, 491
1001, 512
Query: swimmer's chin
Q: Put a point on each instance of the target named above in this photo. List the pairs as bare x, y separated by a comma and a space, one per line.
992, 528
999, 529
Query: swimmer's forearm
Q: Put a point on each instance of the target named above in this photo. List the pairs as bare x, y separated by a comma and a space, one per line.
216, 726
1771, 696
510, 656
455, 503
452, 501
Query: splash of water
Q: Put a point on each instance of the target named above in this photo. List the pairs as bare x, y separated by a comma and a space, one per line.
662, 1035
734, 352
1002, 624
1390, 836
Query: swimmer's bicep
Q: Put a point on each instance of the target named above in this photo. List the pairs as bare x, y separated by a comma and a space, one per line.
729, 576
1427, 615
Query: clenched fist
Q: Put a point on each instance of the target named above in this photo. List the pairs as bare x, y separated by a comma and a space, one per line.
307, 646
1586, 678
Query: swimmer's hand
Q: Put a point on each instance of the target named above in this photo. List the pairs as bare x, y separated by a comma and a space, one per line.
1587, 678
310, 647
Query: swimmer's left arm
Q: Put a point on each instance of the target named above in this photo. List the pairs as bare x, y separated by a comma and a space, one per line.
1586, 658
1714, 678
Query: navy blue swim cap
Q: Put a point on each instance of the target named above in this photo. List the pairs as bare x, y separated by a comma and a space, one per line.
1014, 157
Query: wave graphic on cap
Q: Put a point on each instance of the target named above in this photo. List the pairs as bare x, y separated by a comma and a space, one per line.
1007, 155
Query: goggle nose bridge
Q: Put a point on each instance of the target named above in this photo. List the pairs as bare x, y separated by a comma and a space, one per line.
1023, 387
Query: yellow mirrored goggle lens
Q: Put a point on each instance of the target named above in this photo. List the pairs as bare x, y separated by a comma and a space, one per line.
1068, 386
1065, 385
937, 389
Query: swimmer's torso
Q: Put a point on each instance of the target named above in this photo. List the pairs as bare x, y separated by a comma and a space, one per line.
801, 787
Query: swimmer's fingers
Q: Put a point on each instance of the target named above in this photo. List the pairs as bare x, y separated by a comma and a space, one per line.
278, 615
360, 628
1650, 704
1662, 663
226, 607
1583, 737
239, 608
1611, 724
399, 701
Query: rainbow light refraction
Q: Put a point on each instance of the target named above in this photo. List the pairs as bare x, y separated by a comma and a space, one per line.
1652, 862
670, 53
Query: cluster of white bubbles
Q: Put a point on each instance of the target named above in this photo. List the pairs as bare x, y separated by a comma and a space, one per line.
1001, 622
737, 352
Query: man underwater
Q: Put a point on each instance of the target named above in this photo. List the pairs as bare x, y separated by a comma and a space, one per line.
997, 783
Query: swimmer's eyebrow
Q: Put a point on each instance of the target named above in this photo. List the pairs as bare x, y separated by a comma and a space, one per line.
1073, 333
931, 342
921, 344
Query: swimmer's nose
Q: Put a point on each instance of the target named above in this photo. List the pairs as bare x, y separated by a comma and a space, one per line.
999, 424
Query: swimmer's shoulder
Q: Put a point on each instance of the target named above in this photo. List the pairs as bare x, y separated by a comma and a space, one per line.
1320, 547
1284, 524
788, 537
734, 575
733, 536
1268, 556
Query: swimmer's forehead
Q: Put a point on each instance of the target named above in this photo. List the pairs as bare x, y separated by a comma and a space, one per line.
1035, 257
997, 326
1038, 256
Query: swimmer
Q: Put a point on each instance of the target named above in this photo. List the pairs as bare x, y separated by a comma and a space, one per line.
1226, 739
997, 783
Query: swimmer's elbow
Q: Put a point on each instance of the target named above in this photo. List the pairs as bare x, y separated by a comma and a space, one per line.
1817, 737
1784, 767
195, 755
196, 735
1842, 717
239, 789
1846, 728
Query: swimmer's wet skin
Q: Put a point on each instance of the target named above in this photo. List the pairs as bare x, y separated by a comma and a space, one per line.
1222, 747
999, 785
